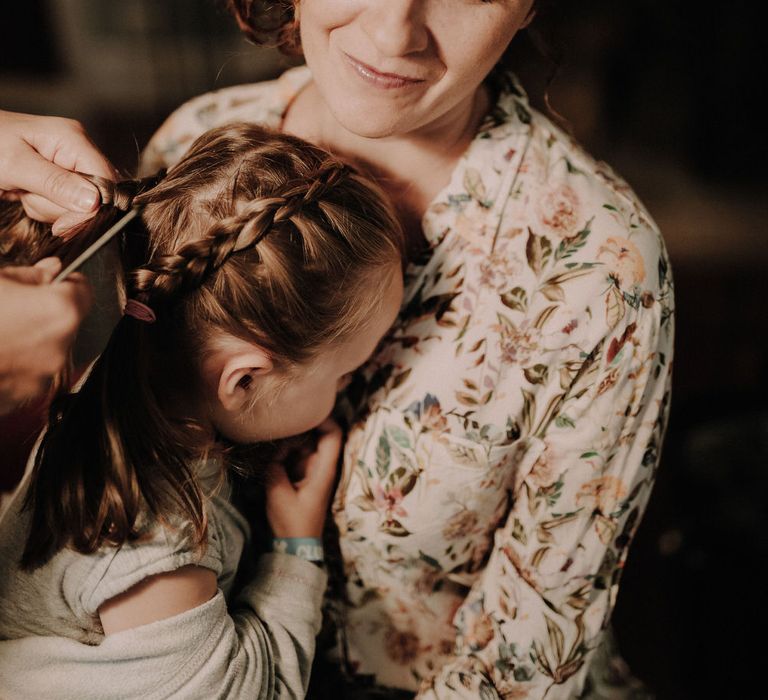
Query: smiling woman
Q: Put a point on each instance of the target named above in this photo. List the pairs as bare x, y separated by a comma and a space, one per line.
396, 68
503, 441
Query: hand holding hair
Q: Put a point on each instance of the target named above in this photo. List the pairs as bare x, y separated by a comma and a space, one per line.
38, 322
37, 155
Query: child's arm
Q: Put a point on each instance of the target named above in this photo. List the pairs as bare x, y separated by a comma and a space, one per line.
158, 597
294, 510
261, 647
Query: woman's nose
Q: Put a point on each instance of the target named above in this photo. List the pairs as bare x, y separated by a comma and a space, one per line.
397, 27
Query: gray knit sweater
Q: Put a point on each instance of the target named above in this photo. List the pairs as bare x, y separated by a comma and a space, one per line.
258, 645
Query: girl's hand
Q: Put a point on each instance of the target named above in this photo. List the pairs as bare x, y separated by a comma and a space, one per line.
298, 508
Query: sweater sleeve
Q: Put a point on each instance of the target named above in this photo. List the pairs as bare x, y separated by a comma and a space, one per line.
531, 622
261, 648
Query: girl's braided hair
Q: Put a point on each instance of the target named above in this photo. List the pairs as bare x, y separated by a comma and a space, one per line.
255, 234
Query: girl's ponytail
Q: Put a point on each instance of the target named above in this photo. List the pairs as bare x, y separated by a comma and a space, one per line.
108, 446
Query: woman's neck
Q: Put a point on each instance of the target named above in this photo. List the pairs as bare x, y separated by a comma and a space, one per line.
412, 167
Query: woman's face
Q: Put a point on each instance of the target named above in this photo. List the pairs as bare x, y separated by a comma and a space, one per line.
393, 67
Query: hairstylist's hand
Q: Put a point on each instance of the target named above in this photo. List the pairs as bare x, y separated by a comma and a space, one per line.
38, 322
298, 508
37, 155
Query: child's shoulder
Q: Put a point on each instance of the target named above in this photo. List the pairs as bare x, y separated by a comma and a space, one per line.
165, 545
63, 596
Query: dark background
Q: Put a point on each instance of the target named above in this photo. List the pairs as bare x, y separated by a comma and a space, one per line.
669, 94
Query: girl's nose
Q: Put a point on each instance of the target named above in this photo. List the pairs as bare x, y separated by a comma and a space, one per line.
396, 27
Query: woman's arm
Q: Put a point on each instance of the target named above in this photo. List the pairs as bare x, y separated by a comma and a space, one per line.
533, 619
262, 647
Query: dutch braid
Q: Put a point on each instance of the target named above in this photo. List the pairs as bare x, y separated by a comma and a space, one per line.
195, 261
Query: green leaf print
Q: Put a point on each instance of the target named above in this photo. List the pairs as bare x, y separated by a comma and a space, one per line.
429, 560
399, 436
522, 113
518, 532
466, 399
513, 430
569, 246
401, 378
544, 316
551, 288
382, 457
572, 168
394, 528
556, 638
564, 422
529, 410
614, 307
538, 249
515, 299
473, 183
536, 374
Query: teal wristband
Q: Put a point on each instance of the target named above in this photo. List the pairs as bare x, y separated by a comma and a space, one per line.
309, 548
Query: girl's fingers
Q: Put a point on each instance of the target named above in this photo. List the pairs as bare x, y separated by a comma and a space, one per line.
321, 466
278, 486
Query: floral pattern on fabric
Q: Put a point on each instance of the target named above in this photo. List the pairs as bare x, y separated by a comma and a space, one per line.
505, 437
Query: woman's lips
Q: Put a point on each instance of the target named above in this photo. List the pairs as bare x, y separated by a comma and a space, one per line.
387, 81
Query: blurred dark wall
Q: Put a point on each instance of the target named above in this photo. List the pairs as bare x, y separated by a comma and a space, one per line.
666, 92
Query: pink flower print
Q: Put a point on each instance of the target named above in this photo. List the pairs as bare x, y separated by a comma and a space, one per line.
480, 633
402, 647
497, 269
624, 260
545, 471
471, 224
559, 211
388, 501
433, 418
518, 345
602, 494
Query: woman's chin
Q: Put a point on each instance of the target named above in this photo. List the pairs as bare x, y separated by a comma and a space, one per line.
369, 124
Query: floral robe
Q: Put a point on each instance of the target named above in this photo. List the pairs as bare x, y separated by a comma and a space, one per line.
505, 436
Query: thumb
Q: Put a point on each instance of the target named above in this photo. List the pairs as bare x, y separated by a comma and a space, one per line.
24, 275
60, 186
49, 267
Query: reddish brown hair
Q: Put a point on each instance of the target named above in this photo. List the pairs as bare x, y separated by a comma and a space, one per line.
255, 234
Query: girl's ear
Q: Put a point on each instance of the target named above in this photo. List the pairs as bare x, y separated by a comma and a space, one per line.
238, 379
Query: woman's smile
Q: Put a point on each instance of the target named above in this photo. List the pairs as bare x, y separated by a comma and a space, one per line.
380, 79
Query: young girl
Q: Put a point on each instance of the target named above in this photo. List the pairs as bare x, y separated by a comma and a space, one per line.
260, 272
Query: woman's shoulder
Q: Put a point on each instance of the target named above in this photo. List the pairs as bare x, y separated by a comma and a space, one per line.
263, 103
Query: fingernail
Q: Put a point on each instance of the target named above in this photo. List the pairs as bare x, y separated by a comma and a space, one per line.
87, 199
